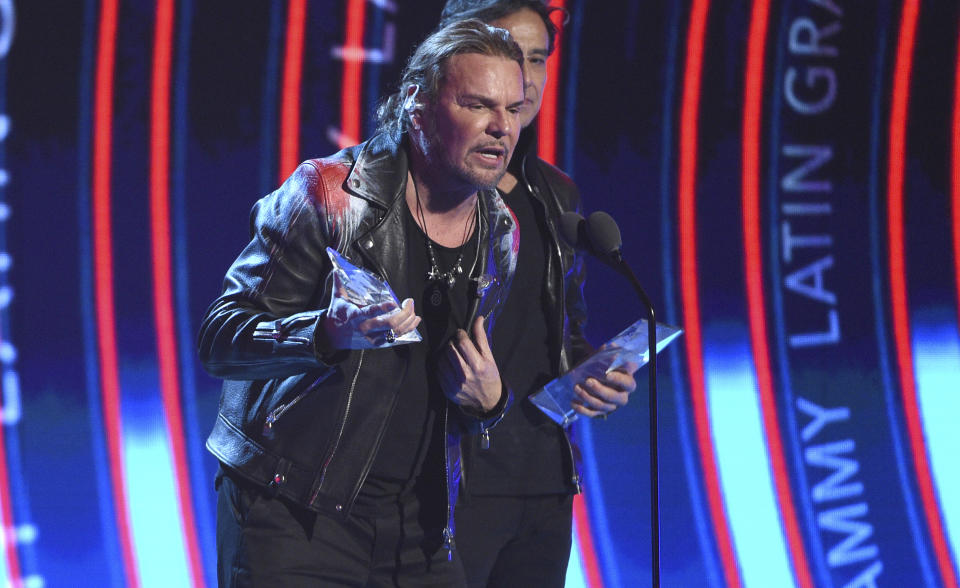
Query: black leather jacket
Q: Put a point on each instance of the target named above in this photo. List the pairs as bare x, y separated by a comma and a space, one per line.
306, 424
556, 192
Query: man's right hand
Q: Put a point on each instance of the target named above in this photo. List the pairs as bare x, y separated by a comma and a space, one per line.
469, 375
347, 326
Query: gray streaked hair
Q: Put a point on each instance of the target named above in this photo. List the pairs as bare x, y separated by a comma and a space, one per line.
426, 67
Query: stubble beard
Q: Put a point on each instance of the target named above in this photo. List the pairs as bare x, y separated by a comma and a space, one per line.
438, 158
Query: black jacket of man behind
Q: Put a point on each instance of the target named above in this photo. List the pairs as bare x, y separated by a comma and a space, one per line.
522, 453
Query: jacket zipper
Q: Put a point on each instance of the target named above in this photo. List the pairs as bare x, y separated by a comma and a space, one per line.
448, 542
378, 273
343, 424
275, 414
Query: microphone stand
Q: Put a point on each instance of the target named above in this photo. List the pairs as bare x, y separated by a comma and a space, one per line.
621, 267
600, 236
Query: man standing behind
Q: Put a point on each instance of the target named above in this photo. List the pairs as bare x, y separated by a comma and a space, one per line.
339, 452
514, 524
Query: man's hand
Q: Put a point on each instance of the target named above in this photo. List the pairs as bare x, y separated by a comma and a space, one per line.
468, 374
598, 398
347, 326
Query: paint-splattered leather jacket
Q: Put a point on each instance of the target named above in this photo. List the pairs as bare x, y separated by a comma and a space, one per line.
305, 423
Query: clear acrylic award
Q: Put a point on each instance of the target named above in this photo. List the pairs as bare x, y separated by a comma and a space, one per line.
358, 287
630, 346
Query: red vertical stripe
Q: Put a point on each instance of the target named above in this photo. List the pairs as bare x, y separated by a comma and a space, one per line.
290, 98
350, 98
9, 529
162, 278
103, 277
898, 287
955, 173
689, 283
756, 304
588, 554
547, 119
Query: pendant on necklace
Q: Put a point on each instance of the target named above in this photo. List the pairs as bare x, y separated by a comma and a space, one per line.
436, 298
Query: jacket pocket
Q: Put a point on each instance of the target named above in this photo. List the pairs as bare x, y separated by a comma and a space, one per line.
277, 413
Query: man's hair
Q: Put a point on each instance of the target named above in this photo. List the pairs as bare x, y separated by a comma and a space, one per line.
426, 68
490, 10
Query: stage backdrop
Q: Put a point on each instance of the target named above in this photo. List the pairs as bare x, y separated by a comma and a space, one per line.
786, 175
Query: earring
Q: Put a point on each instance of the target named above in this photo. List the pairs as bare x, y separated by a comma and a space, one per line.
410, 102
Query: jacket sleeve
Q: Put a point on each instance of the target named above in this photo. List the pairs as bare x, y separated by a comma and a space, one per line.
576, 312
577, 346
264, 324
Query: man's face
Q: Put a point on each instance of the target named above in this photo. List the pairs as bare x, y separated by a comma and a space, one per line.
472, 125
530, 33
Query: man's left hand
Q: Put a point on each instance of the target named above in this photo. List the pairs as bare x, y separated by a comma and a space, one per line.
598, 398
468, 373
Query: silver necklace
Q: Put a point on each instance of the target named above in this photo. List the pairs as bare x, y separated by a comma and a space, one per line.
435, 274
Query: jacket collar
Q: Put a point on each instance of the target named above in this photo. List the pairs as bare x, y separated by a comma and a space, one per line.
525, 150
379, 172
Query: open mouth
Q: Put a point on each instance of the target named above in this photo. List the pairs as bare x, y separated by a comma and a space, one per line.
492, 154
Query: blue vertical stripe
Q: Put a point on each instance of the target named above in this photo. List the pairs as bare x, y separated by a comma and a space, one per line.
936, 352
155, 522
891, 393
372, 90
743, 462
268, 115
572, 73
19, 498
8, 430
596, 502
200, 478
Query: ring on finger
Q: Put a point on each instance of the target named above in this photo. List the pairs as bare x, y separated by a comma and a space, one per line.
390, 336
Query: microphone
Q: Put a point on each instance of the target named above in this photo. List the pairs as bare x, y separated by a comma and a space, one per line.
604, 234
599, 235
573, 229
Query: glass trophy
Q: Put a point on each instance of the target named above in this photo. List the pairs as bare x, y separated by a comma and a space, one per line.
629, 347
358, 287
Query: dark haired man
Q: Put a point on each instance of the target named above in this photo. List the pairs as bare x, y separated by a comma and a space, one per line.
339, 452
515, 519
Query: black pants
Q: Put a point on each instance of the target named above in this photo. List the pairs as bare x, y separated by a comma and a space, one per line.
263, 541
515, 540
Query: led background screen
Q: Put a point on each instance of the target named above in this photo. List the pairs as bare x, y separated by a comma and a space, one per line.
786, 175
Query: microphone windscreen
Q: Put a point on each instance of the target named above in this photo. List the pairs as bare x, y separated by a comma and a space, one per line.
570, 229
603, 233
